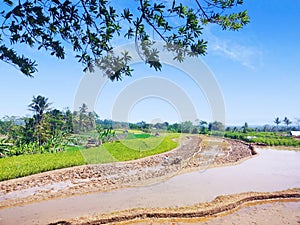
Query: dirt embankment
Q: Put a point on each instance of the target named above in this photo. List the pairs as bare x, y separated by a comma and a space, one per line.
192, 154
219, 205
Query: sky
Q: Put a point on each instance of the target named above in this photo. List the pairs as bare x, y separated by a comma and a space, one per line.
256, 70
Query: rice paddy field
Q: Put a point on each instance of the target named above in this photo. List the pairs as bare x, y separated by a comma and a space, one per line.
135, 146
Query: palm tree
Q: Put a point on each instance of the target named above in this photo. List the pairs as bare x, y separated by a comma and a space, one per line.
83, 109
39, 105
202, 123
277, 121
287, 122
245, 128
83, 123
91, 119
75, 122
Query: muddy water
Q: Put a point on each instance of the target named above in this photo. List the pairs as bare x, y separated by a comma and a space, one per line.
269, 171
31, 191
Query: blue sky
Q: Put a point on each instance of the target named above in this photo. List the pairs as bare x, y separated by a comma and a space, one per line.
257, 70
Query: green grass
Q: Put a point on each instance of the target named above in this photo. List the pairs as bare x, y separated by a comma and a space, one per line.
24, 165
133, 136
138, 148
268, 138
135, 131
97, 155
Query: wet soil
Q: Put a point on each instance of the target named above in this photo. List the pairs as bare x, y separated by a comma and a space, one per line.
192, 154
201, 212
263, 213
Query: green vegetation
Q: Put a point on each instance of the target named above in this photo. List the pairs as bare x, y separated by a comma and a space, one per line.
268, 138
140, 135
23, 165
268, 135
105, 134
53, 139
93, 28
129, 149
48, 130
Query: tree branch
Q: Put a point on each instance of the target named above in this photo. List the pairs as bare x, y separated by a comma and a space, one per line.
149, 22
202, 10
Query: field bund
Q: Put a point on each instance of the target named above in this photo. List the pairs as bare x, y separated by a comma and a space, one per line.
269, 171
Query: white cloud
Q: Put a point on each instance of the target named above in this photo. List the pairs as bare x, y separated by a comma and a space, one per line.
248, 55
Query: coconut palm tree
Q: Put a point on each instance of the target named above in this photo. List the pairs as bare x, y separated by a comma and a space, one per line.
277, 121
245, 128
287, 122
83, 117
83, 109
91, 119
39, 105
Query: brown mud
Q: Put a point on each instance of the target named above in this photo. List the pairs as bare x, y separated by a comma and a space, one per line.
192, 154
219, 205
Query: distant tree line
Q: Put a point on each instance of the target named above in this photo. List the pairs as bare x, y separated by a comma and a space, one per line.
49, 129
189, 127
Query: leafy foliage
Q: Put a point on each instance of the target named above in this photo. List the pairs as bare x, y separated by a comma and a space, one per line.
105, 134
287, 122
46, 131
83, 120
216, 126
39, 105
268, 138
4, 148
91, 27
